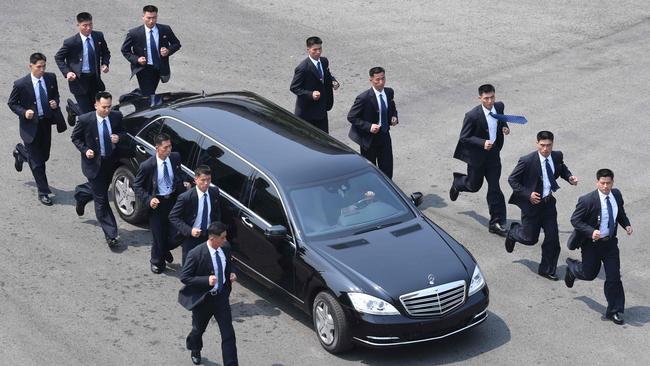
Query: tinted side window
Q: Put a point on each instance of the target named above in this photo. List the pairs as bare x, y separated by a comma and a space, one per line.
265, 202
150, 132
229, 173
184, 140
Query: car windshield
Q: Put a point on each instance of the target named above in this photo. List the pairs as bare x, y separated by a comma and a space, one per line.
355, 203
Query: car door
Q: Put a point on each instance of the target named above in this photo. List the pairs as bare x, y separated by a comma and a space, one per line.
144, 141
273, 258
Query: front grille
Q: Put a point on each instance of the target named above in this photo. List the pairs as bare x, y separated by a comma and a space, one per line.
434, 301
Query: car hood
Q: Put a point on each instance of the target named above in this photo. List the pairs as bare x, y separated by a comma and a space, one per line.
395, 260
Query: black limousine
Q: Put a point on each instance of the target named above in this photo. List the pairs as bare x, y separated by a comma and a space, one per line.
311, 218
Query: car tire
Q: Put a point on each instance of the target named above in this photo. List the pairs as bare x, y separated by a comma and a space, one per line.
330, 323
128, 206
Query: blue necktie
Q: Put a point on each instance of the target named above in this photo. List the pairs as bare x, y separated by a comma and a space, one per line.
551, 177
108, 145
610, 213
510, 118
166, 179
320, 71
383, 121
44, 104
92, 62
204, 214
219, 273
155, 57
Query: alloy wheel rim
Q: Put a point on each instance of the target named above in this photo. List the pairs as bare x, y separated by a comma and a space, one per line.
124, 195
325, 323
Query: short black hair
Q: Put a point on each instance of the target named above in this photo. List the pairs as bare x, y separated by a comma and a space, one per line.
216, 228
485, 88
84, 17
202, 170
604, 173
312, 41
160, 138
375, 70
544, 135
103, 95
149, 9
36, 57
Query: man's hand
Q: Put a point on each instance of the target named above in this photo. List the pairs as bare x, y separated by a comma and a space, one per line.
196, 232
187, 185
142, 60
506, 131
393, 121
488, 145
535, 198
115, 138
154, 202
90, 154
104, 69
628, 230
335, 84
164, 52
233, 277
70, 76
595, 235
212, 280
374, 128
573, 180
53, 104
29, 114
315, 95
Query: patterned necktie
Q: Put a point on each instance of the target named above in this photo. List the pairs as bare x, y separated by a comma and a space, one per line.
219, 271
320, 72
551, 177
166, 178
92, 61
384, 114
108, 145
610, 214
155, 57
204, 214
43, 98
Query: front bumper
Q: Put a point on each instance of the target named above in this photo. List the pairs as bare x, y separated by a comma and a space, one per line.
397, 330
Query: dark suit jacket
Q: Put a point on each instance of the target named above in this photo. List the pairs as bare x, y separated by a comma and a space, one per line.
470, 147
365, 112
195, 275
184, 212
135, 46
23, 97
586, 217
306, 79
527, 177
86, 136
69, 58
146, 180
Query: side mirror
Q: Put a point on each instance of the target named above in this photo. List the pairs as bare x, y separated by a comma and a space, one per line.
416, 198
276, 232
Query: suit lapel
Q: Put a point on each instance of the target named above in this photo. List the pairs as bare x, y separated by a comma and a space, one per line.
484, 123
373, 99
30, 89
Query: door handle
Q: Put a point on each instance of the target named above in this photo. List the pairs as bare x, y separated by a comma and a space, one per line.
246, 221
140, 149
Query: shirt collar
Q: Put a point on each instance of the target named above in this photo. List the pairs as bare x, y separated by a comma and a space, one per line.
83, 38
377, 92
312, 60
159, 160
211, 249
147, 29
35, 79
602, 195
201, 193
486, 111
100, 119
542, 158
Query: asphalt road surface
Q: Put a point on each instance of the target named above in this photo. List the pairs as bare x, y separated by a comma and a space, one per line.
579, 69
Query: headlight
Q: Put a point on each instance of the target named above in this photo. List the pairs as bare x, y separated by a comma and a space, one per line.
371, 305
477, 281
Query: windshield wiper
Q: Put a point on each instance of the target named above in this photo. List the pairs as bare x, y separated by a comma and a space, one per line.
377, 227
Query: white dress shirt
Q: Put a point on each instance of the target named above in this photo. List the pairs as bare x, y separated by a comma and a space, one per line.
85, 66
381, 95
199, 214
147, 32
492, 123
546, 181
163, 188
214, 254
315, 62
100, 129
39, 106
604, 215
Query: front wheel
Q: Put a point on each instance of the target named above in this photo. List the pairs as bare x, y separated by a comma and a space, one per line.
128, 205
331, 324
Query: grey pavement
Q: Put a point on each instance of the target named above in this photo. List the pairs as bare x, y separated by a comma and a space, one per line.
579, 69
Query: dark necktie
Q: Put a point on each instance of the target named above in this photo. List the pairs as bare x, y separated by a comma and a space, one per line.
551, 177
384, 114
320, 71
219, 271
92, 61
204, 214
108, 145
43, 96
155, 57
166, 179
509, 118
610, 214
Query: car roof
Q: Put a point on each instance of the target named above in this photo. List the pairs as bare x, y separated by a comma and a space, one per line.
271, 138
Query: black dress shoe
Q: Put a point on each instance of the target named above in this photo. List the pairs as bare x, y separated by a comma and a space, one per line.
47, 201
617, 318
569, 278
112, 242
156, 269
80, 208
169, 257
18, 160
510, 242
549, 276
498, 229
453, 193
196, 357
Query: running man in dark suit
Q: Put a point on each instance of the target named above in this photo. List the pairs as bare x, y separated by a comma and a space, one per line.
208, 275
594, 220
533, 182
313, 85
82, 59
372, 115
148, 48
157, 184
195, 209
480, 143
35, 99
96, 135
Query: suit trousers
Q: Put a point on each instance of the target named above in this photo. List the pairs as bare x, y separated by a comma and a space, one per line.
473, 181
534, 218
37, 153
86, 101
160, 229
380, 153
321, 124
148, 79
216, 306
97, 190
593, 253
